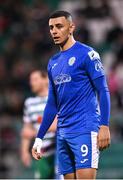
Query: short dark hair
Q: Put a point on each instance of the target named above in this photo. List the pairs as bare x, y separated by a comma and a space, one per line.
56, 14
42, 72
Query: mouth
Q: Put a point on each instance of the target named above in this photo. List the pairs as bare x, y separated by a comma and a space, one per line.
56, 38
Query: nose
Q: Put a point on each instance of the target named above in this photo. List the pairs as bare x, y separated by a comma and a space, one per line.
54, 31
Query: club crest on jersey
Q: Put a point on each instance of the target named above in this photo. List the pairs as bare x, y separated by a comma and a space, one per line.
71, 61
93, 55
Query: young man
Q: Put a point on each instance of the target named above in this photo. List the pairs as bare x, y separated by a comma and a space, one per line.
33, 112
76, 79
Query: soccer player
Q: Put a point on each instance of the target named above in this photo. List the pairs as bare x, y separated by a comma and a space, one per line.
79, 95
33, 112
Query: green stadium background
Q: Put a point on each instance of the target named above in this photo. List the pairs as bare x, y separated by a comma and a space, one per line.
25, 44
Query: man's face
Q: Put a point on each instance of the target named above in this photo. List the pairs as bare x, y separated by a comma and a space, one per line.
37, 82
60, 29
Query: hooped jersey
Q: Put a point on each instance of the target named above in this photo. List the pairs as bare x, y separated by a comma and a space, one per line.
33, 113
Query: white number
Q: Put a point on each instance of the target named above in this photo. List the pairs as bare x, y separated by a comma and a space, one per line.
84, 149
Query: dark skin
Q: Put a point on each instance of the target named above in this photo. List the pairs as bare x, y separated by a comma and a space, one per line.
61, 30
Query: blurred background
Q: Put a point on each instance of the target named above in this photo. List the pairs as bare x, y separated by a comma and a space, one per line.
25, 44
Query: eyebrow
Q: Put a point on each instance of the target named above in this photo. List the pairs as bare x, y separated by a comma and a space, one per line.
56, 24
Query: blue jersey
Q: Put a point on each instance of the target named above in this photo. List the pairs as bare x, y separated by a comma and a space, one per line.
71, 74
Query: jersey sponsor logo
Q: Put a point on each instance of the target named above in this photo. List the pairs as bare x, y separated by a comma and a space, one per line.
71, 61
93, 55
83, 161
99, 66
62, 78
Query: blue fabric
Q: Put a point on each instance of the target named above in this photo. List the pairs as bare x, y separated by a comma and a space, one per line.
104, 99
76, 151
73, 91
49, 112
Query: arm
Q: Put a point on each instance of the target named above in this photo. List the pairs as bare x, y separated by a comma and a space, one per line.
53, 126
49, 112
96, 73
101, 86
27, 134
48, 118
104, 100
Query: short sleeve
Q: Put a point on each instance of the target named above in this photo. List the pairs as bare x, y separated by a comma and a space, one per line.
93, 65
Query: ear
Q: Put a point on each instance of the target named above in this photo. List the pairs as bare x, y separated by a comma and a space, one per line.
72, 27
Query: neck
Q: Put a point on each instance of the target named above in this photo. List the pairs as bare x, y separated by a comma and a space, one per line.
43, 92
67, 44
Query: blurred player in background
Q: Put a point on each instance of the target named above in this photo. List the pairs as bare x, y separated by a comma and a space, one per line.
33, 112
79, 95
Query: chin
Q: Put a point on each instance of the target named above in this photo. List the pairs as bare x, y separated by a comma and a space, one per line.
61, 43
57, 43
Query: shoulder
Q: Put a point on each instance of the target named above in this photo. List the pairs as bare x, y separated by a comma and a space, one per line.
31, 100
90, 52
53, 60
54, 57
84, 47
